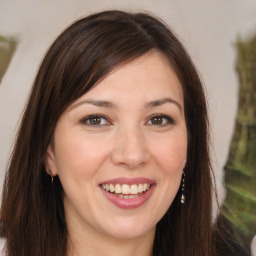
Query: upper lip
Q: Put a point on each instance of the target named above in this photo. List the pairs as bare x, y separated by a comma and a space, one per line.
129, 181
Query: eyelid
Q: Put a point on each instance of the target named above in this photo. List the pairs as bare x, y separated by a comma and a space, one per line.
169, 119
86, 118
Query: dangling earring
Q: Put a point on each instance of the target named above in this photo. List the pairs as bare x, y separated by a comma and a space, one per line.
50, 172
182, 200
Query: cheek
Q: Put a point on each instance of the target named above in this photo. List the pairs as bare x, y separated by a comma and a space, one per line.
171, 154
77, 157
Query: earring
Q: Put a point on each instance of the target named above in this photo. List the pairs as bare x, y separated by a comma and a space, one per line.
50, 172
182, 200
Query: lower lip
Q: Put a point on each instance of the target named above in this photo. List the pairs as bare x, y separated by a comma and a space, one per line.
130, 203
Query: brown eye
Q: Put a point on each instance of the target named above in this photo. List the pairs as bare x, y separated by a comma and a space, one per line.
160, 120
157, 120
95, 120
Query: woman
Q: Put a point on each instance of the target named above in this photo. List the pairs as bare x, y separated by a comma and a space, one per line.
112, 152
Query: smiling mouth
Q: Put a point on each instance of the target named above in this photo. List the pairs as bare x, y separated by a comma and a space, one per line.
126, 191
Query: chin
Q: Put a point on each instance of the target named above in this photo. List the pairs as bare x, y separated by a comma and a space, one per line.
128, 230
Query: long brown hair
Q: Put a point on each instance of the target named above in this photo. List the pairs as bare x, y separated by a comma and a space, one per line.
32, 213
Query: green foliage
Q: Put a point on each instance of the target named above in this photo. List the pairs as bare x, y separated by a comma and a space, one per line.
240, 171
7, 48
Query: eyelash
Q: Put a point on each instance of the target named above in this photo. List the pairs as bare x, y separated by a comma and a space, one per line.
87, 120
169, 120
158, 117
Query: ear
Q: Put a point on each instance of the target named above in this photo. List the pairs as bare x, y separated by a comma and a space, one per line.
49, 162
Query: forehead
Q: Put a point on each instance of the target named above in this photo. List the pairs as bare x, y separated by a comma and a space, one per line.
146, 78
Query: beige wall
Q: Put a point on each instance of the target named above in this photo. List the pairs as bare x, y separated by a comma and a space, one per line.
207, 28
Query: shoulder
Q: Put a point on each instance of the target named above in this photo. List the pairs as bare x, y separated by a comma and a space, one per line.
2, 246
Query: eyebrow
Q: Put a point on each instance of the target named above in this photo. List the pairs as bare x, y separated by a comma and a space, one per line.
108, 104
159, 102
98, 103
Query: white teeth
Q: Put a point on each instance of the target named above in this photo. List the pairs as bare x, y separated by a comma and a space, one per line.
134, 190
107, 187
127, 196
126, 191
140, 188
118, 189
111, 188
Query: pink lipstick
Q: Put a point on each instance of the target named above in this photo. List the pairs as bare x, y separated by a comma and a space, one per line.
128, 193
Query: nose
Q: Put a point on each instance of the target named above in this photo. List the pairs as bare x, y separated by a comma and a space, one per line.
130, 150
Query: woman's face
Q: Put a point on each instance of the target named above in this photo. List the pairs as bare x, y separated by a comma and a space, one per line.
120, 149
